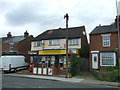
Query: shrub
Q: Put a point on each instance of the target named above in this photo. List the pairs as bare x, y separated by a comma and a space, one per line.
74, 64
107, 74
113, 76
84, 52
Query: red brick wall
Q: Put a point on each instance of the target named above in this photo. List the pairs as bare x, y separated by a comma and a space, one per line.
5, 47
96, 45
24, 47
84, 41
16, 46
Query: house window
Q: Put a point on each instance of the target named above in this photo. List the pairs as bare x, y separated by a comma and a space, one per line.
11, 46
74, 41
106, 40
107, 59
54, 42
38, 44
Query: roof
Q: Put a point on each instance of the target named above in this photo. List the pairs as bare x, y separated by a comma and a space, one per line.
13, 39
104, 29
74, 32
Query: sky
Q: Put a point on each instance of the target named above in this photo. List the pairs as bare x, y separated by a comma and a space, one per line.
37, 16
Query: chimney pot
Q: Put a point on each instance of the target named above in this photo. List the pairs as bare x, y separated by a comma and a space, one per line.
9, 35
26, 34
99, 24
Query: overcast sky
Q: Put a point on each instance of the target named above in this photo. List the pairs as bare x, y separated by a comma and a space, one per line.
37, 16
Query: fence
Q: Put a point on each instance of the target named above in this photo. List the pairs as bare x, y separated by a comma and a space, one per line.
84, 66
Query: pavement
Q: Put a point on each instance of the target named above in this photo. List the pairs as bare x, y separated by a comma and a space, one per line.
84, 79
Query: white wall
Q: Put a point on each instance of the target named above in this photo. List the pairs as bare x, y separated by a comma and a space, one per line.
61, 46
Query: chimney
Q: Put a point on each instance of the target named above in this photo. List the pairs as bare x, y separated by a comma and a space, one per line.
99, 25
26, 34
60, 28
9, 35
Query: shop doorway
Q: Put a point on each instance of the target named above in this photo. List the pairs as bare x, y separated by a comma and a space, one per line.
57, 61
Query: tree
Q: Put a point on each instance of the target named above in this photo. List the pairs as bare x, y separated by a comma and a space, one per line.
74, 64
84, 52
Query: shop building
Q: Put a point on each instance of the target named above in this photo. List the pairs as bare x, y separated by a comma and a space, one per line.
48, 50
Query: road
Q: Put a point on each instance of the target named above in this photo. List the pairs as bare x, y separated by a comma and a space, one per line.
20, 82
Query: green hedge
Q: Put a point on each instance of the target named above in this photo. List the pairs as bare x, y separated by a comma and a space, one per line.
107, 74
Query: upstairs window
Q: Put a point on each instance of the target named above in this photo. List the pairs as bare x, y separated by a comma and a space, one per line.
74, 41
54, 42
38, 44
11, 46
106, 40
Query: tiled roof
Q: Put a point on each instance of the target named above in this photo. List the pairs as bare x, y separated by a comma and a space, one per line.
13, 39
104, 29
60, 33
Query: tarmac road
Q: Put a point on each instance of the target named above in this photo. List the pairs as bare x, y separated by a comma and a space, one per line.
23, 82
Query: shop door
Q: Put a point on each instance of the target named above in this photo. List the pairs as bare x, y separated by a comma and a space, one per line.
95, 61
47, 70
56, 61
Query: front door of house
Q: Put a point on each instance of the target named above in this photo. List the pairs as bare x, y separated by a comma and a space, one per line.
95, 61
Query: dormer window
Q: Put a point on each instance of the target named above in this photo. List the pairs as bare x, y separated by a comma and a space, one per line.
106, 40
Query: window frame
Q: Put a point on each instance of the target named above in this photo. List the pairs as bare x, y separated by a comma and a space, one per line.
106, 39
109, 57
38, 44
11, 46
53, 42
74, 41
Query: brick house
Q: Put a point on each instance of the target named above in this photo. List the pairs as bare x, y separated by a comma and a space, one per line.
103, 46
49, 49
16, 45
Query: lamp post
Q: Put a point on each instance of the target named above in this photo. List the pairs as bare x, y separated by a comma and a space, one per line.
67, 59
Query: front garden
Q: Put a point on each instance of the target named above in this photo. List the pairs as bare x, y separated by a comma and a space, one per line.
107, 74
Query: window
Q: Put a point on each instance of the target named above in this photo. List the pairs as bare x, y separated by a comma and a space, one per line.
107, 59
11, 46
106, 40
38, 44
74, 41
54, 42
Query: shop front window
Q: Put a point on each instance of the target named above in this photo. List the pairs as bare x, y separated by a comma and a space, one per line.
37, 60
61, 61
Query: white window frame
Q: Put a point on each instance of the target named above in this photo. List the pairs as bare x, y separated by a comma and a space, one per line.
102, 56
74, 41
54, 42
104, 41
38, 44
11, 46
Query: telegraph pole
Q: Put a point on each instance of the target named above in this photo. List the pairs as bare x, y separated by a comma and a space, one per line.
67, 59
118, 29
